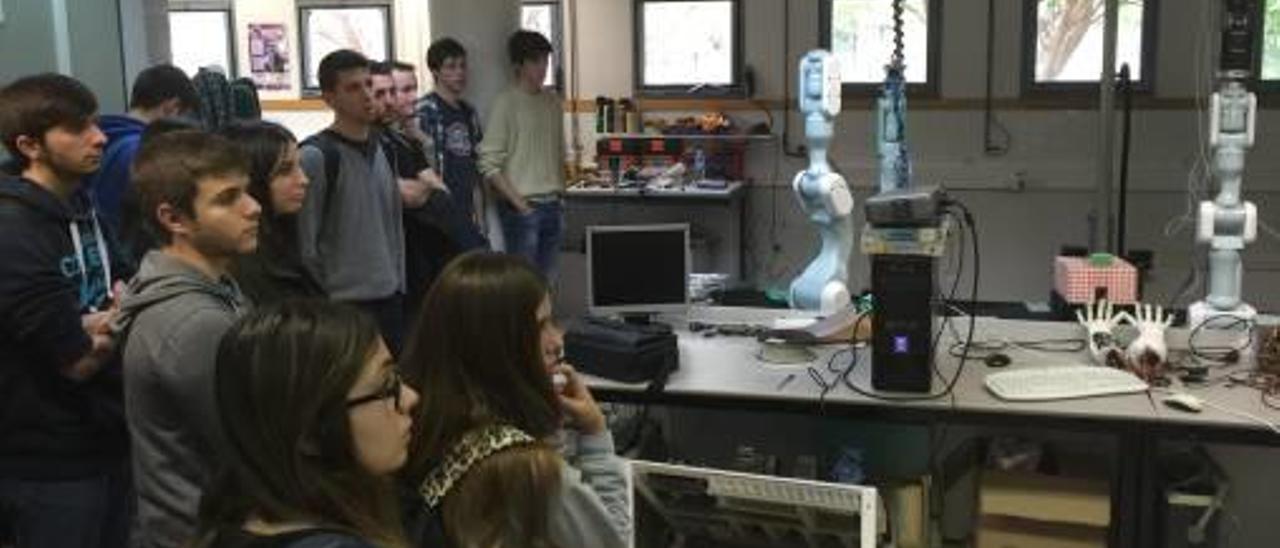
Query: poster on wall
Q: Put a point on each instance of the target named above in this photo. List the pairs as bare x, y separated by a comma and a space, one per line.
268, 56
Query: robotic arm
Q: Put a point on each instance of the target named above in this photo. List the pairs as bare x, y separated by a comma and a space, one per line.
1228, 223
823, 194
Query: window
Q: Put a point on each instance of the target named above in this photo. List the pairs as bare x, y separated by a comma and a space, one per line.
364, 28
543, 17
1269, 56
1065, 39
688, 47
860, 34
200, 38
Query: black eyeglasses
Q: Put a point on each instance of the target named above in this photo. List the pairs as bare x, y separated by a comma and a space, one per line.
390, 390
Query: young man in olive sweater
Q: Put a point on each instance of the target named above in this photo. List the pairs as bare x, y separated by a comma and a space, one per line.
522, 156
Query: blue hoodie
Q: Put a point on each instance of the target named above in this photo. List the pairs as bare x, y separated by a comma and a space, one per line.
109, 184
54, 267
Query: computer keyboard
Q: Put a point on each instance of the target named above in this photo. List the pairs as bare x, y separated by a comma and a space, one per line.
1062, 382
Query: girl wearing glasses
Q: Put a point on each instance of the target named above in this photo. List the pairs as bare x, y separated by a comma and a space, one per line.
483, 461
316, 422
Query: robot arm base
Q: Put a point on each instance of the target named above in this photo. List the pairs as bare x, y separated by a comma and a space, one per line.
833, 296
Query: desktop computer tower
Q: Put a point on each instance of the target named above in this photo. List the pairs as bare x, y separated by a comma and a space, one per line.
903, 287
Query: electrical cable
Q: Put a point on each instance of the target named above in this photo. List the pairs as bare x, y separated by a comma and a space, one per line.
1126, 132
786, 85
1230, 411
1228, 354
1199, 175
989, 121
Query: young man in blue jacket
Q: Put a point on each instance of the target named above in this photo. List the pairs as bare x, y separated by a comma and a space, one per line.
62, 435
159, 92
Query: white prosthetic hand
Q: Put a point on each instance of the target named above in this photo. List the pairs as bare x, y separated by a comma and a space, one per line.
1099, 321
1150, 348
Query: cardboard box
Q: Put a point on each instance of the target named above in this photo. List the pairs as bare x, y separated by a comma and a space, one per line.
1024, 510
908, 507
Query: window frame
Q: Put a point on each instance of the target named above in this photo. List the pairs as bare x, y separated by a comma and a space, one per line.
557, 37
929, 88
735, 89
232, 51
1144, 84
304, 46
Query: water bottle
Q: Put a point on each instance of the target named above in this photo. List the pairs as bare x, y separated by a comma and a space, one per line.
699, 165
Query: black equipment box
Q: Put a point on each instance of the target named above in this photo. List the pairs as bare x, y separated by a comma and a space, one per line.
621, 351
902, 326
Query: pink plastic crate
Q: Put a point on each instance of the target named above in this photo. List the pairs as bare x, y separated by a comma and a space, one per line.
1079, 282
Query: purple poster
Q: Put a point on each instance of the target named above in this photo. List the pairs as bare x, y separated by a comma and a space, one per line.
269, 56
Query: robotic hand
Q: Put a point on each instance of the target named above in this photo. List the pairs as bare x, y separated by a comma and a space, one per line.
823, 194
1149, 350
1099, 321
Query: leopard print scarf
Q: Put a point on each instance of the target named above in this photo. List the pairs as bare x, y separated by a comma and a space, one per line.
475, 446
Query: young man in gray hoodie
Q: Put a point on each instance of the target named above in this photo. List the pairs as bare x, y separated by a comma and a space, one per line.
193, 190
350, 231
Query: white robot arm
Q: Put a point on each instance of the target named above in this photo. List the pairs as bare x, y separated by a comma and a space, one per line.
1229, 223
824, 195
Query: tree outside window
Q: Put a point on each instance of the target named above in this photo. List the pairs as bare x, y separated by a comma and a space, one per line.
687, 47
1069, 39
862, 39
1271, 40
540, 18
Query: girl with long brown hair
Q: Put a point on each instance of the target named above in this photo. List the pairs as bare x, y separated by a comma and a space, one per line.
483, 462
317, 422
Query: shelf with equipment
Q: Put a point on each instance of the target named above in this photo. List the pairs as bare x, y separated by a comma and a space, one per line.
719, 157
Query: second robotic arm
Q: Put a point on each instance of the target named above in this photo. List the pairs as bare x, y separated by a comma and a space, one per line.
824, 195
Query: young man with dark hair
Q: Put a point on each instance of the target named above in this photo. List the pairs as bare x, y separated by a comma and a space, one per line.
435, 231
522, 155
405, 76
452, 125
383, 87
350, 229
63, 479
192, 187
159, 92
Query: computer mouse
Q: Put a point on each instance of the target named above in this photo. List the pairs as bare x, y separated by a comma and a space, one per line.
1184, 402
997, 359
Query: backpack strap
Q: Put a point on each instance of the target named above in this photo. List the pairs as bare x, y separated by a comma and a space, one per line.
474, 447
332, 165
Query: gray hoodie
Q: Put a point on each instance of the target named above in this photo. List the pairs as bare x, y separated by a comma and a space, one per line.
593, 507
172, 318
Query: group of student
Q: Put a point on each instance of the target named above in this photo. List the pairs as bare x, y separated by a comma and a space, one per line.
229, 338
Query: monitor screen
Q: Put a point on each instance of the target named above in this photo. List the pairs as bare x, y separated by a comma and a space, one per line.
639, 268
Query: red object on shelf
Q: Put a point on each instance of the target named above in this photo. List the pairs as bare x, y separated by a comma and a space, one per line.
725, 156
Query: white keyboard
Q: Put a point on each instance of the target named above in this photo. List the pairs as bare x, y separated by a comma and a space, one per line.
1062, 382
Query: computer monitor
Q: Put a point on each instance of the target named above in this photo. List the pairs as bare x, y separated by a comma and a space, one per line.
638, 269
674, 505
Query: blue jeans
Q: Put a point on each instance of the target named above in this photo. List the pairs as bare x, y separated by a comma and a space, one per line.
535, 235
81, 513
